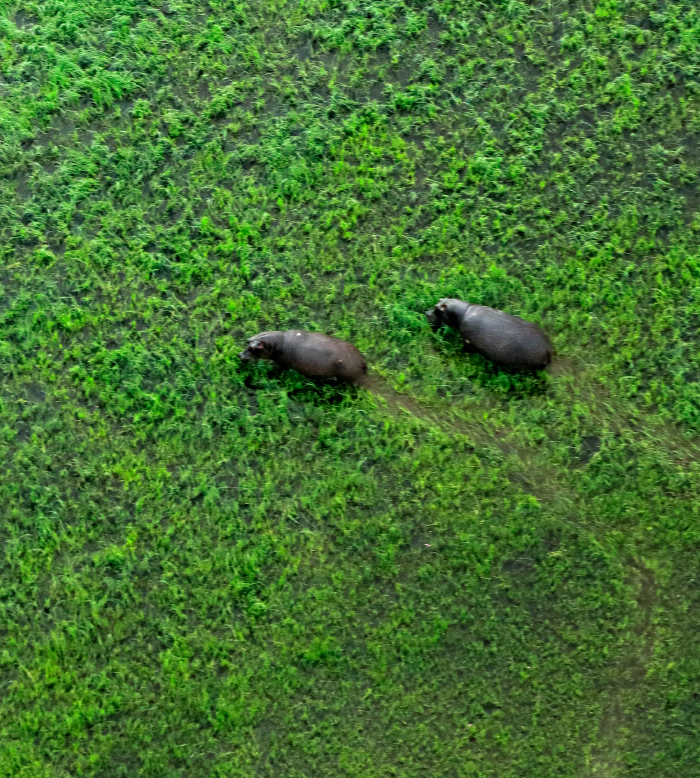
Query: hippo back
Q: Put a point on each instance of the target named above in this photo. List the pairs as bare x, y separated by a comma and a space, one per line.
505, 339
321, 356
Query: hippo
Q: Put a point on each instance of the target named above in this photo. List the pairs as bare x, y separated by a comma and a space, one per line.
310, 353
506, 340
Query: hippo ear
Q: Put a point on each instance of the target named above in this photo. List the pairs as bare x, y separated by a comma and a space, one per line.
442, 306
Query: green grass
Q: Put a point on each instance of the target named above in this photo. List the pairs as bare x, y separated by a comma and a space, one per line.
214, 569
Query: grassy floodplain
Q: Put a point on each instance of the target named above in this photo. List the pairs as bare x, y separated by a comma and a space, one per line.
212, 569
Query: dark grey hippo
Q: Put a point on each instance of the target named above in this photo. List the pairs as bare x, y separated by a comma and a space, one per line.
507, 340
312, 354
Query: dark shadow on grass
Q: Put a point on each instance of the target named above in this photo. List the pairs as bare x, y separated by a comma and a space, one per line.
485, 374
318, 392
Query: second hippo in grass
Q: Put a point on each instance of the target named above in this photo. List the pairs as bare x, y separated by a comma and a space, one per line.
310, 353
506, 340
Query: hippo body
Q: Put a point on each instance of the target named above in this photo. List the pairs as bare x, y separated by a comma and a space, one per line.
310, 353
506, 340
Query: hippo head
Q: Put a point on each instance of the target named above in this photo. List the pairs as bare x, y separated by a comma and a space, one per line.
443, 312
262, 346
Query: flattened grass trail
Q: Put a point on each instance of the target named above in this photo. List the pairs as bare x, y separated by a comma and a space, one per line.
217, 569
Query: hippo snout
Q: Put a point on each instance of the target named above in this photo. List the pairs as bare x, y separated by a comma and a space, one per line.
430, 316
245, 355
